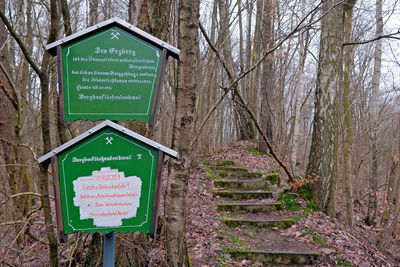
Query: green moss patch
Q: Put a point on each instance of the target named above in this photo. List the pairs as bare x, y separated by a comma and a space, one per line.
316, 238
291, 204
274, 178
305, 192
257, 152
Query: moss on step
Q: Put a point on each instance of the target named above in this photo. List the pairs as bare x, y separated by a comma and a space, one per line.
228, 169
255, 151
237, 174
219, 162
276, 257
281, 224
243, 184
242, 195
249, 207
274, 178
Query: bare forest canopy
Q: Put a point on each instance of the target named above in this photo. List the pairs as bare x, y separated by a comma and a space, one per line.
314, 83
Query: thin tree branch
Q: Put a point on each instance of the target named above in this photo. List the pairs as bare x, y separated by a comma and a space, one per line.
195, 138
23, 145
391, 36
21, 194
234, 82
16, 101
243, 103
21, 45
8, 95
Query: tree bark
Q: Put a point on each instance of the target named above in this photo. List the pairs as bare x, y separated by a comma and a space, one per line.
303, 47
396, 193
268, 80
93, 12
44, 182
66, 17
254, 77
374, 115
248, 79
179, 170
322, 166
8, 115
348, 135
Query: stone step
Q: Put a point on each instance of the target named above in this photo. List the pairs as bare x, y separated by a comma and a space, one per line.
243, 184
241, 195
228, 168
276, 257
219, 162
218, 174
249, 207
262, 223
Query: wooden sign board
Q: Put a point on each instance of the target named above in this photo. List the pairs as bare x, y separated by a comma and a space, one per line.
111, 71
106, 180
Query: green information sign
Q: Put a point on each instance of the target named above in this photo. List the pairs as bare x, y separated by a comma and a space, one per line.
110, 74
107, 183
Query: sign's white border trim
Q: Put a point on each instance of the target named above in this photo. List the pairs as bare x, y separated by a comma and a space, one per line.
115, 126
142, 34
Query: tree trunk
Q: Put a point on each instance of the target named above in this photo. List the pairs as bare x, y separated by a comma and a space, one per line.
133, 11
66, 17
44, 181
303, 47
244, 124
179, 169
254, 77
396, 194
7, 119
322, 166
93, 12
248, 78
268, 80
348, 120
373, 180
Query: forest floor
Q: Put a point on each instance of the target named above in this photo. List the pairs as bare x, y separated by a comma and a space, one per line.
340, 245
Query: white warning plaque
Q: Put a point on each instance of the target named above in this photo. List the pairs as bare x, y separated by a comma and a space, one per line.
107, 197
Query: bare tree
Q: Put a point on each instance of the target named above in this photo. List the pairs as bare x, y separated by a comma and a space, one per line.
179, 170
374, 115
322, 166
268, 80
348, 135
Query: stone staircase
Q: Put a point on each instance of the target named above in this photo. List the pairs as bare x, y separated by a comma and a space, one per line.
252, 217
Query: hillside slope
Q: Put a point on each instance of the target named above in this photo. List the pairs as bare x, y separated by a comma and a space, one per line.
209, 242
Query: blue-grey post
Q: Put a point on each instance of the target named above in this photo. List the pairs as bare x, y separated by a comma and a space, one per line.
109, 244
109, 250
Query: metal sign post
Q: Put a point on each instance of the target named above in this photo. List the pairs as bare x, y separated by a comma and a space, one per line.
109, 250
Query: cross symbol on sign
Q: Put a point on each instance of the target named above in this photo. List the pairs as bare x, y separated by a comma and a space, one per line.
139, 156
109, 139
114, 34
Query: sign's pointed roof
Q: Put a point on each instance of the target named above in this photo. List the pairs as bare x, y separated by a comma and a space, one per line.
173, 51
101, 126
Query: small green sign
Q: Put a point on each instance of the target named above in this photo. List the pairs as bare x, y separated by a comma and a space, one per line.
107, 183
110, 74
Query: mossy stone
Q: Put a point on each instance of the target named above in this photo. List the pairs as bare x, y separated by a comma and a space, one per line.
274, 178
